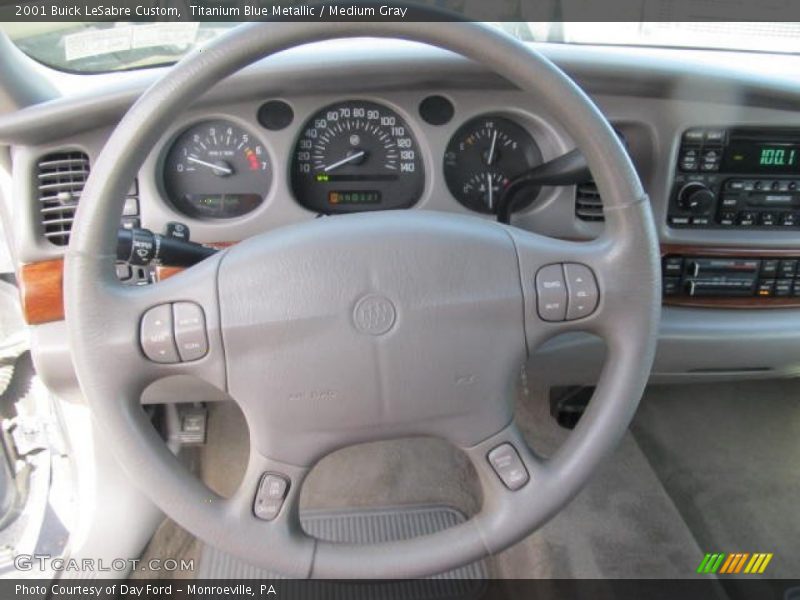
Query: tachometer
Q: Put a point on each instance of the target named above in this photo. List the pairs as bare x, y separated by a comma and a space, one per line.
483, 156
217, 170
356, 156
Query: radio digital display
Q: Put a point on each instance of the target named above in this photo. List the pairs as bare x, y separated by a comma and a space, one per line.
759, 157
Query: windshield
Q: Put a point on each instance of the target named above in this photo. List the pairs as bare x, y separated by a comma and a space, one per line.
97, 47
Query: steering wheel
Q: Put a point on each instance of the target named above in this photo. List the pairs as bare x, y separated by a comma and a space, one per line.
365, 327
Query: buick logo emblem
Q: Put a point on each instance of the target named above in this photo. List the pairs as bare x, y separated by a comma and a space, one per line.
374, 314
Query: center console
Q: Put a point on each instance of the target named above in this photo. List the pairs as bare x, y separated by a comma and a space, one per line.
732, 179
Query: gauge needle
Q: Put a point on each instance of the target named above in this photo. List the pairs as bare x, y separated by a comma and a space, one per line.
490, 158
344, 161
491, 191
221, 169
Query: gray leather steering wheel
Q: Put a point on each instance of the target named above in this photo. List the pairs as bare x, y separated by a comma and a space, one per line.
371, 326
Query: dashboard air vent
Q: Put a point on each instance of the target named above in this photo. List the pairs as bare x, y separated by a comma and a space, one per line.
588, 204
60, 180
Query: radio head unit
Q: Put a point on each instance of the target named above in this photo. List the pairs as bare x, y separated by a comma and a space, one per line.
739, 177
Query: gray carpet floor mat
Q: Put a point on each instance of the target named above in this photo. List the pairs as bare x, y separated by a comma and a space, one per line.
360, 526
707, 468
729, 457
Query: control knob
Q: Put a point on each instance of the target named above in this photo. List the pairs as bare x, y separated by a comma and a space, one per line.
695, 197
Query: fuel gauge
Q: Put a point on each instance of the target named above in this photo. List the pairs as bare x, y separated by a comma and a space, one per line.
483, 156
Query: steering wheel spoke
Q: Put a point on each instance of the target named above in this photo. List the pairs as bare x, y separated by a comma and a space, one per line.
505, 464
585, 286
155, 331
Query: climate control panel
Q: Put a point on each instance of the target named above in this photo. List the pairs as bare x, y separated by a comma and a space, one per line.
762, 278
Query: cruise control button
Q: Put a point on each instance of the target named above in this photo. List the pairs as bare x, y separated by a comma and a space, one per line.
190, 330
551, 293
156, 335
582, 292
509, 468
270, 496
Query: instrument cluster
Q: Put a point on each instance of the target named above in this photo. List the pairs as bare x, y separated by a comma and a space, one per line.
351, 156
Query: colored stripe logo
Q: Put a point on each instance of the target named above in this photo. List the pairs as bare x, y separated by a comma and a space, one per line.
735, 563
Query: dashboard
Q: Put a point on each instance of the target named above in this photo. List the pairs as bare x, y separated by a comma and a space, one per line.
414, 128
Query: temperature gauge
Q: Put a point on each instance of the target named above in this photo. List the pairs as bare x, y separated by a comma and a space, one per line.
483, 156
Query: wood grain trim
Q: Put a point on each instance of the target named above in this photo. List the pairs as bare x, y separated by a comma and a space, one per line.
731, 251
163, 273
41, 291
41, 283
166, 272
740, 303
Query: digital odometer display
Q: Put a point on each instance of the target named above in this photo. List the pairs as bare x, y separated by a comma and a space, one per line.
356, 156
759, 157
349, 197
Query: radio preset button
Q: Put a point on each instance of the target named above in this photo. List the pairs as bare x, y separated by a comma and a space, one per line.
768, 219
727, 217
746, 218
788, 220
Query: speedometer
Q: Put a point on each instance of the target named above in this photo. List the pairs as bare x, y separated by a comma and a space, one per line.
356, 156
216, 170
